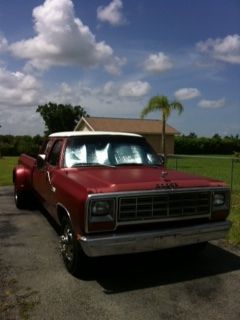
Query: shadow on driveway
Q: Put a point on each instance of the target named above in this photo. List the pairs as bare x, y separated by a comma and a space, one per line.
140, 271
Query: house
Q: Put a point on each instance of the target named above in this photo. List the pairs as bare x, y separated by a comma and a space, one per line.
150, 129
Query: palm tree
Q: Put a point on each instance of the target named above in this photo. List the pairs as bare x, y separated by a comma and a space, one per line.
161, 103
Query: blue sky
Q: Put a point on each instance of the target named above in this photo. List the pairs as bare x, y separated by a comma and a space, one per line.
111, 56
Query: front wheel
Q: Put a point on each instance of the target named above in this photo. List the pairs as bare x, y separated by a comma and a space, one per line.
74, 258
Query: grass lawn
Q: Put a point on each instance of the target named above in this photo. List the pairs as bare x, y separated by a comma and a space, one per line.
215, 168
220, 168
6, 167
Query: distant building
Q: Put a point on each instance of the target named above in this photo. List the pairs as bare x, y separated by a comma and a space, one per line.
150, 129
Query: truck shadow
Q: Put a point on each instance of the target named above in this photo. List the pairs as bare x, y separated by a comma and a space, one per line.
124, 273
116, 274
140, 271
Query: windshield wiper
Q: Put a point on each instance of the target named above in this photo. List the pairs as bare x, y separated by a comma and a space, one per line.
139, 164
91, 164
131, 164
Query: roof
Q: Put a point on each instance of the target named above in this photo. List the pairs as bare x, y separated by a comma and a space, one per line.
91, 133
141, 126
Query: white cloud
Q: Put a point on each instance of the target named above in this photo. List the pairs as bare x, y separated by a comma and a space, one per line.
212, 104
187, 93
62, 39
157, 63
115, 65
109, 99
112, 13
110, 92
18, 89
21, 121
134, 89
3, 43
108, 88
226, 49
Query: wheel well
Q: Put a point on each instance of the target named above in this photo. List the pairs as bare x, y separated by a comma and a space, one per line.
62, 213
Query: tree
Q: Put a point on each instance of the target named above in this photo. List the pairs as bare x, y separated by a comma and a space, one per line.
60, 117
192, 135
216, 136
161, 103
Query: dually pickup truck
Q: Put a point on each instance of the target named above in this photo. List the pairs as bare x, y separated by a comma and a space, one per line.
111, 195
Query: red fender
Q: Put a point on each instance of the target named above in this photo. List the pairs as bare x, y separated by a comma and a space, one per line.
22, 178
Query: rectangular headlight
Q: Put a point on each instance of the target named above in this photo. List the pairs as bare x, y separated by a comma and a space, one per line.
101, 210
220, 200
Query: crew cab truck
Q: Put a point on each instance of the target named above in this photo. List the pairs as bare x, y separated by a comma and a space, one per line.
111, 195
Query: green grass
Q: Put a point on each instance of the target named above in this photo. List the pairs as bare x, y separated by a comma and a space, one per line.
204, 166
216, 167
220, 168
234, 234
6, 166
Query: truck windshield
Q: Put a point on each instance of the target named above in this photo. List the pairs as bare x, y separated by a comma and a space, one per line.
109, 150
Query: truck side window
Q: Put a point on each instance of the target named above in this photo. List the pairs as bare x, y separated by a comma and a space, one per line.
55, 153
46, 146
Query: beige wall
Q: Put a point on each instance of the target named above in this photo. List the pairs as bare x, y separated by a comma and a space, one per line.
156, 142
83, 127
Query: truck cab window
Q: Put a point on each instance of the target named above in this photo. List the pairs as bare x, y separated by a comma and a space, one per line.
46, 146
55, 153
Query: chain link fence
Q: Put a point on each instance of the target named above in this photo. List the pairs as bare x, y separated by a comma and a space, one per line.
216, 167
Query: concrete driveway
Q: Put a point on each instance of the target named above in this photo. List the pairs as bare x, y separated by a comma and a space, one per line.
165, 285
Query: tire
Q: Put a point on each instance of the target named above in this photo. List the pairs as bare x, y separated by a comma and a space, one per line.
24, 199
21, 199
73, 257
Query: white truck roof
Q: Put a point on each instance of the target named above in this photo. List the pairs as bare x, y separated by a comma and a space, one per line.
91, 133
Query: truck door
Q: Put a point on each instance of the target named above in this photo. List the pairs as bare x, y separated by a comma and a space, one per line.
39, 174
52, 165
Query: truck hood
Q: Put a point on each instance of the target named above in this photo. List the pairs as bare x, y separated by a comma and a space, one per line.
104, 180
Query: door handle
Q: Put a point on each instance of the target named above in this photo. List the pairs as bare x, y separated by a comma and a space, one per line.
53, 189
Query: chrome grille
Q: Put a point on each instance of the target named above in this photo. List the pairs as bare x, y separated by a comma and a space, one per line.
164, 206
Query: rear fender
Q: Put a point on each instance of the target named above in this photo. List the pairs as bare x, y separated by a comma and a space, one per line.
22, 178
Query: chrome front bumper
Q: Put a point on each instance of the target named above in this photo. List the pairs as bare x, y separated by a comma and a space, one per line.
115, 244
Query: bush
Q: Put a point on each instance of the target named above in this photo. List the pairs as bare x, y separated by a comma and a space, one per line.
15, 145
201, 145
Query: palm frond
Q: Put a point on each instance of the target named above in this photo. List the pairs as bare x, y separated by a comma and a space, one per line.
156, 103
177, 106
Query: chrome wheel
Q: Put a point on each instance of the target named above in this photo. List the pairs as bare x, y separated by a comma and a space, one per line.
66, 244
73, 256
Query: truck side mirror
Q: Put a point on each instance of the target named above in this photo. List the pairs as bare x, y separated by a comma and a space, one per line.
41, 160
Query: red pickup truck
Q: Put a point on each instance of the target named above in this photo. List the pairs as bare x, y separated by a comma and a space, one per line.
111, 194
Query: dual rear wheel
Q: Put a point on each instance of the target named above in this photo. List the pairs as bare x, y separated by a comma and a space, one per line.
22, 199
